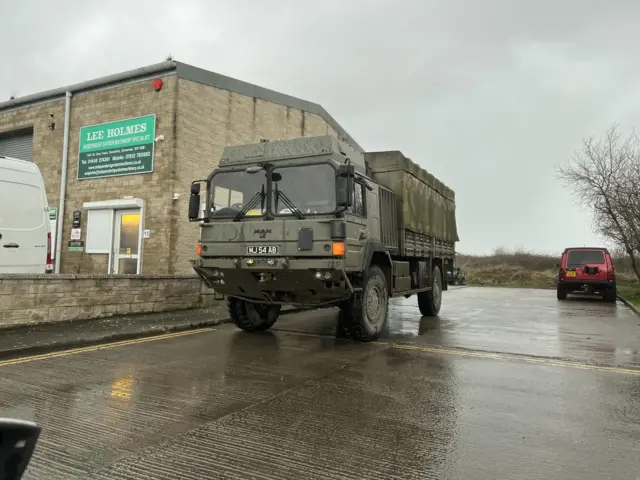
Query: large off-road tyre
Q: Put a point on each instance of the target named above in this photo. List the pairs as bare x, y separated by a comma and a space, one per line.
610, 295
429, 302
252, 317
561, 293
364, 316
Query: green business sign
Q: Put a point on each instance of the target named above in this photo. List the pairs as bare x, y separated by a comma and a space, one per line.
117, 148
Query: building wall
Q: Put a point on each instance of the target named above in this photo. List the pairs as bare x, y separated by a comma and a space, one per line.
36, 299
109, 105
94, 107
47, 144
208, 120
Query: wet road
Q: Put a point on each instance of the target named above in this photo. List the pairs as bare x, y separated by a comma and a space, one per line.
504, 384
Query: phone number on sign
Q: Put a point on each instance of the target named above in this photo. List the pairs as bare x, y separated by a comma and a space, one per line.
115, 158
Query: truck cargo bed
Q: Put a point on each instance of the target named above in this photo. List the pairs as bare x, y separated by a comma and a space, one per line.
425, 207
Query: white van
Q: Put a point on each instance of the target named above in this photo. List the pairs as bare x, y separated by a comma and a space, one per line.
25, 239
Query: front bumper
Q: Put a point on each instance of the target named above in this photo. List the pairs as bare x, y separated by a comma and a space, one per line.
300, 282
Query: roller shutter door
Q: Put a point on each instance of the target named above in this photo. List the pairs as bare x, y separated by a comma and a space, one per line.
17, 145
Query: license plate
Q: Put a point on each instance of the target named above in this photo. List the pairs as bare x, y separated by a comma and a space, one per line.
571, 274
263, 250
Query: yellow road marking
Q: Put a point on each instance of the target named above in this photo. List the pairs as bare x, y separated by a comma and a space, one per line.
501, 356
104, 346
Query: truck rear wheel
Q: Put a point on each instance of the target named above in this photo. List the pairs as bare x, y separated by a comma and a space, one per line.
252, 317
364, 315
429, 302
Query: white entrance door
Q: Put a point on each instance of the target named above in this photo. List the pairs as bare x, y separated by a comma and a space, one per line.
126, 242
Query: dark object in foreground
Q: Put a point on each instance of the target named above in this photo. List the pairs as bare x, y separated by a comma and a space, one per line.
18, 440
588, 270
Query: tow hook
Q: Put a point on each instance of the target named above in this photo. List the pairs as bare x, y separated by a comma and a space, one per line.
265, 277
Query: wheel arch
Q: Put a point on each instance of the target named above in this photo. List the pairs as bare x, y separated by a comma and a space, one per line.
375, 253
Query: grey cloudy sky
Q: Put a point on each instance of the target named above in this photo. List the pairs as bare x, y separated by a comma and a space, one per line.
487, 95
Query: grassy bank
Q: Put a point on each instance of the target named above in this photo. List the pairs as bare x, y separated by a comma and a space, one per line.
505, 269
531, 270
631, 292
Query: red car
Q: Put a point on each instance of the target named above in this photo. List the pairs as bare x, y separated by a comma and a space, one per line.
587, 270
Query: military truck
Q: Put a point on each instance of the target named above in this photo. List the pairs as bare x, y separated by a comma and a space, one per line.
312, 222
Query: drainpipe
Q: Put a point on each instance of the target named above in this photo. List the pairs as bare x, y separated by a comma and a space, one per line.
63, 180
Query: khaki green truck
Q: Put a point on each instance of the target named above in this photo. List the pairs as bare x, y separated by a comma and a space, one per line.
312, 222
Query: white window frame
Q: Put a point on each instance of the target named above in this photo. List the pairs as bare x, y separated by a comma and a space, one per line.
110, 220
121, 204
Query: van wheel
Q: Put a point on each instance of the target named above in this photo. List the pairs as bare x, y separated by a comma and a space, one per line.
252, 317
610, 295
364, 316
561, 293
429, 302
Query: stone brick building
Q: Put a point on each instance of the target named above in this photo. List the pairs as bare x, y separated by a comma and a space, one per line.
134, 142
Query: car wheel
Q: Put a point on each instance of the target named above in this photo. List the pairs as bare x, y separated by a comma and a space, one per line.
610, 295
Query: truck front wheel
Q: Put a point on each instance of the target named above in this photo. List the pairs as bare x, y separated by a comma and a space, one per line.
252, 317
364, 316
429, 302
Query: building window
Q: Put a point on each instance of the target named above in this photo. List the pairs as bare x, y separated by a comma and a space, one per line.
115, 228
99, 224
359, 200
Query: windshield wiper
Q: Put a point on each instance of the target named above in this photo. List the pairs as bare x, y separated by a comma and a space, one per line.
288, 203
259, 196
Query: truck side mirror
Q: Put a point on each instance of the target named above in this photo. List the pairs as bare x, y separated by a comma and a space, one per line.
346, 170
194, 202
343, 192
194, 207
344, 182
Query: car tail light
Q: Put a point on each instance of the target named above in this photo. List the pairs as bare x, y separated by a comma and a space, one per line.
561, 273
611, 274
49, 266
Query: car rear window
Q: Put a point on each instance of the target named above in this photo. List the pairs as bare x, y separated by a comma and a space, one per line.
577, 258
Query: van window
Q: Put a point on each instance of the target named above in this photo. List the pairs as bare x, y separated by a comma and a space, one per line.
21, 206
577, 258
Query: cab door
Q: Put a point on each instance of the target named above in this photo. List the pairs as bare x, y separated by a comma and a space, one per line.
357, 227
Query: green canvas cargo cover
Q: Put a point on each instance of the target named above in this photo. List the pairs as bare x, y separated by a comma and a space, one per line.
425, 204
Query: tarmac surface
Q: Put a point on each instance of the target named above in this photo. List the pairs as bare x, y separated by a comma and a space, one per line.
504, 384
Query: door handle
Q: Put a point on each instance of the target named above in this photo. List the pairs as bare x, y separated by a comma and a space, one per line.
11, 245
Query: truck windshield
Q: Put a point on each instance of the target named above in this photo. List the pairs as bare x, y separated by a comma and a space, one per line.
231, 190
310, 188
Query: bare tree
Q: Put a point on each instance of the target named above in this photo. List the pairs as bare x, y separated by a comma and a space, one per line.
605, 175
